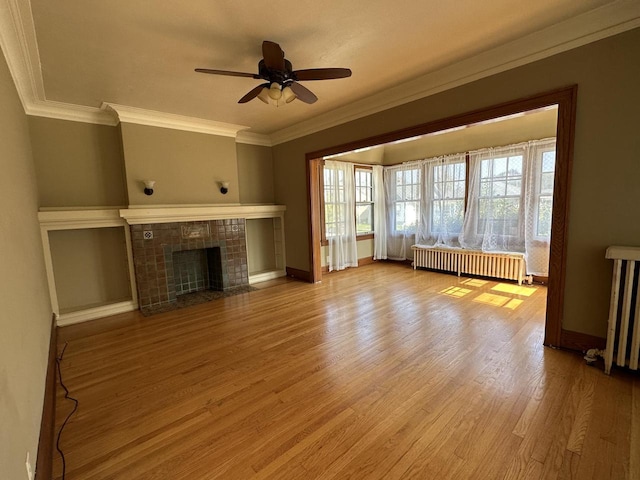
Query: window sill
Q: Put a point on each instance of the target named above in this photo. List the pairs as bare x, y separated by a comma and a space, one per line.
364, 236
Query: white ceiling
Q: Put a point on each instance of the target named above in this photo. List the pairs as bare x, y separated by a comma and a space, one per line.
142, 54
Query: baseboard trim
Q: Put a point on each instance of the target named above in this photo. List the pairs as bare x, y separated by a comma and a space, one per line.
96, 312
365, 261
299, 274
361, 262
264, 276
44, 461
580, 341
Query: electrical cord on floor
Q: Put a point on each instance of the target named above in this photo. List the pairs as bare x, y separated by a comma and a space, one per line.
75, 407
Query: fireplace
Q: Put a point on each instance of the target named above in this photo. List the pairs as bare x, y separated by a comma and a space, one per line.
177, 258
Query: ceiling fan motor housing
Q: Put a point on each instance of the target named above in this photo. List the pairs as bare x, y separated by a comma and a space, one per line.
274, 75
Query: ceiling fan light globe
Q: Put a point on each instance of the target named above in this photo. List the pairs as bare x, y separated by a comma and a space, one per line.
288, 95
274, 91
264, 95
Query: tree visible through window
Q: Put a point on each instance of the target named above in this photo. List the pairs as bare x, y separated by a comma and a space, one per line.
545, 194
364, 201
407, 201
447, 205
500, 195
334, 202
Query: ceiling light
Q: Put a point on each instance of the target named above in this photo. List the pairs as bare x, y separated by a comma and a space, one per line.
274, 91
264, 95
288, 94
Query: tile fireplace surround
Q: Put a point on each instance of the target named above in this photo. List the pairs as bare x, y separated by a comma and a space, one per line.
154, 246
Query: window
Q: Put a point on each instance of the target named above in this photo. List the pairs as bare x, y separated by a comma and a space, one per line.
334, 202
364, 201
547, 166
500, 195
407, 200
447, 198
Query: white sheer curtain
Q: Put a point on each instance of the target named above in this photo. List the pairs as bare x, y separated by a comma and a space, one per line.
402, 195
538, 205
442, 201
509, 201
379, 215
340, 224
493, 218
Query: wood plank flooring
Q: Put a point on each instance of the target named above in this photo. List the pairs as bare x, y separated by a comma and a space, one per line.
380, 372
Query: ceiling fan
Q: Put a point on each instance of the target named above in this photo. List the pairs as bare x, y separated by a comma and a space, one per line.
282, 81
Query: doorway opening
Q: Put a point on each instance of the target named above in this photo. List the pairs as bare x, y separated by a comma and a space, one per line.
559, 103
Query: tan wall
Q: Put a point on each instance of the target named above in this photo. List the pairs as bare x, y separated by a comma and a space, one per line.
255, 173
261, 254
25, 322
90, 267
605, 171
77, 164
186, 166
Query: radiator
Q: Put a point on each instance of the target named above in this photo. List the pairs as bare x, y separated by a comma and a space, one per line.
623, 332
510, 266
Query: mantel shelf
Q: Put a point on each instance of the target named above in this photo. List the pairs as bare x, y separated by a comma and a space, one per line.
167, 214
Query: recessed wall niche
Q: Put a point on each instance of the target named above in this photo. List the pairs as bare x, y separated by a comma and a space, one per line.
90, 267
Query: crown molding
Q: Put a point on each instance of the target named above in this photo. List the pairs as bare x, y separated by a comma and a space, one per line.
19, 44
254, 139
71, 112
608, 20
153, 118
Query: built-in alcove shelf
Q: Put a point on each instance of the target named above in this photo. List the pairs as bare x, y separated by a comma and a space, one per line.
85, 218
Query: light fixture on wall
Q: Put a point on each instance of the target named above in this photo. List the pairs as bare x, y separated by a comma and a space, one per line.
148, 187
224, 187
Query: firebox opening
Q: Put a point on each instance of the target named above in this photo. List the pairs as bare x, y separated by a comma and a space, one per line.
197, 270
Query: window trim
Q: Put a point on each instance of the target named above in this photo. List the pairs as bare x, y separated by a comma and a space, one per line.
324, 240
538, 195
520, 197
433, 200
370, 234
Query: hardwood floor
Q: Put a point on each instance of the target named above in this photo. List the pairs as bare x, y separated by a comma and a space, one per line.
379, 373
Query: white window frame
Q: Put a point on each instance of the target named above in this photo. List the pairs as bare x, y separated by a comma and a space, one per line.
364, 188
340, 223
520, 196
417, 187
538, 195
442, 200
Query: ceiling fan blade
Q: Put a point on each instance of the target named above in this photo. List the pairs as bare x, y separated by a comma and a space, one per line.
321, 73
303, 93
253, 93
273, 55
227, 72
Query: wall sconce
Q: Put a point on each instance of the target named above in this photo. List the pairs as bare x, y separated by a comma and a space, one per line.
148, 187
224, 187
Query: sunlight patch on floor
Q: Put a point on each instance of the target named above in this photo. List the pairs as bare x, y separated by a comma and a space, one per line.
514, 289
513, 303
498, 300
475, 282
457, 292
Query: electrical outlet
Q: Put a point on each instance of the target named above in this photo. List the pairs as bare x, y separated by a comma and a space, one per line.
30, 471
